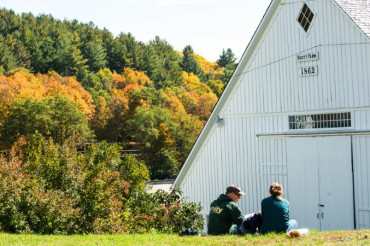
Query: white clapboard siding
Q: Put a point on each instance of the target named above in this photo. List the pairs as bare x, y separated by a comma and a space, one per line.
361, 160
250, 147
343, 66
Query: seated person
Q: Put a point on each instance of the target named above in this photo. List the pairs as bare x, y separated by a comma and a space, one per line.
275, 212
225, 216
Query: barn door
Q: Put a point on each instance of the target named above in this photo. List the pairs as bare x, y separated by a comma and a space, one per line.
361, 166
303, 181
320, 183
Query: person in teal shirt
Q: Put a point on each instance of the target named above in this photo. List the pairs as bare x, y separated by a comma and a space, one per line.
275, 212
225, 216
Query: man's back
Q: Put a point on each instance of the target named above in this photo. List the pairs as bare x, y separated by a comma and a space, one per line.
223, 213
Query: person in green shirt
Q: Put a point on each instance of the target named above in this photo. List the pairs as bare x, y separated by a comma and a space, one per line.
225, 216
275, 212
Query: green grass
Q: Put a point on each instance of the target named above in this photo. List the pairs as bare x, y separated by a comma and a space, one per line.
360, 237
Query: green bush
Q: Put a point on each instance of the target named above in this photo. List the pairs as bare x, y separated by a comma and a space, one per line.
164, 212
47, 188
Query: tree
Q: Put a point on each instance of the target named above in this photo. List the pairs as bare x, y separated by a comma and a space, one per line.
189, 64
153, 128
227, 62
217, 86
134, 172
56, 117
162, 64
100, 119
8, 61
95, 55
132, 51
167, 166
227, 58
67, 120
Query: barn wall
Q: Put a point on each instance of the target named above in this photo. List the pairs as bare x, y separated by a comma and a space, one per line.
234, 154
269, 90
271, 82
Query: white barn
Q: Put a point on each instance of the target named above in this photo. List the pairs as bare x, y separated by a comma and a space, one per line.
295, 111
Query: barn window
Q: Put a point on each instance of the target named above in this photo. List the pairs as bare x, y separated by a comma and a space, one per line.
305, 17
315, 121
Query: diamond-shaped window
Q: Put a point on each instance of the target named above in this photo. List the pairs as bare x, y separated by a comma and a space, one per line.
305, 17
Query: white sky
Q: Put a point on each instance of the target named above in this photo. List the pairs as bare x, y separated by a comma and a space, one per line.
207, 25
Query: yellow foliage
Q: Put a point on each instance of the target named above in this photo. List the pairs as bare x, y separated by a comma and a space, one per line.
22, 85
209, 68
206, 66
130, 77
173, 103
193, 84
119, 100
166, 135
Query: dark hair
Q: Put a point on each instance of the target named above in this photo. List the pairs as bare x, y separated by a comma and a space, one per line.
276, 190
234, 189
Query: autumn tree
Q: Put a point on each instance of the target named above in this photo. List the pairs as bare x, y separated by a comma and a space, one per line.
217, 86
56, 117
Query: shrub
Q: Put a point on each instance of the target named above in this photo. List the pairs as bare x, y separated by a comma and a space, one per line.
164, 212
47, 188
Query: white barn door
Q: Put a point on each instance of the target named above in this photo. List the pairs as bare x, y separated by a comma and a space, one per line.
320, 185
361, 166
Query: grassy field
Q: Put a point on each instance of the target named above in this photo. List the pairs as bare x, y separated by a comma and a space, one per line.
360, 237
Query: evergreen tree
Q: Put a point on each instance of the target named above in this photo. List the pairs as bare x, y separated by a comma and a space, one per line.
163, 64
7, 59
227, 58
95, 55
189, 64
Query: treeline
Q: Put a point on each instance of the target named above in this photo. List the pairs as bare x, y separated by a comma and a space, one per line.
65, 79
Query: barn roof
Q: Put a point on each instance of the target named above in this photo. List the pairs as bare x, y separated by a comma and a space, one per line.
358, 11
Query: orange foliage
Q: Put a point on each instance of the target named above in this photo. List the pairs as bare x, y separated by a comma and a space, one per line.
173, 103
136, 77
22, 85
119, 100
68, 87
130, 77
132, 87
19, 85
205, 105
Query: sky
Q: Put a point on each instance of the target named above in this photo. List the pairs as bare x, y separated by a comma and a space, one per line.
209, 26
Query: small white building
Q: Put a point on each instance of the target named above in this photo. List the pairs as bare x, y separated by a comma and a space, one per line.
153, 186
296, 111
